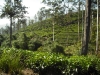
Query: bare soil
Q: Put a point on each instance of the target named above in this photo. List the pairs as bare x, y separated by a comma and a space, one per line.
26, 71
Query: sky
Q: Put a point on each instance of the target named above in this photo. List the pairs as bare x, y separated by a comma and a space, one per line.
33, 8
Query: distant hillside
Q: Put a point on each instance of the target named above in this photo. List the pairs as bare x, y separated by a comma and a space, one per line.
39, 36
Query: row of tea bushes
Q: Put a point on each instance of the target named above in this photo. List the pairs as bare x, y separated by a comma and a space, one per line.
13, 61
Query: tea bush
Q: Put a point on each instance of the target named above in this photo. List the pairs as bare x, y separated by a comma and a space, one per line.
52, 48
5, 43
21, 42
15, 44
12, 60
34, 44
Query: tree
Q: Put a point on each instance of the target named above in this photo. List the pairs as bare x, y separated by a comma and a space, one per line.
8, 11
97, 26
24, 22
1, 39
78, 3
1, 31
78, 20
55, 9
12, 9
41, 15
7, 29
18, 24
84, 50
35, 18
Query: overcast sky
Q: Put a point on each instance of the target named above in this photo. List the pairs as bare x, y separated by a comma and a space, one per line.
33, 7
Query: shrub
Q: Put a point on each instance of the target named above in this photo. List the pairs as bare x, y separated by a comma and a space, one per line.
73, 49
37, 44
58, 49
22, 41
46, 63
34, 44
10, 61
52, 47
5, 43
15, 44
31, 47
41, 61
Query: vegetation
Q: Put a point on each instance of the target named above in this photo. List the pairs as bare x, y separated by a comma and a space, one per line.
13, 60
55, 42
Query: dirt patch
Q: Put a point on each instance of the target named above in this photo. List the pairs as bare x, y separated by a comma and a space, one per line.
28, 72
3, 73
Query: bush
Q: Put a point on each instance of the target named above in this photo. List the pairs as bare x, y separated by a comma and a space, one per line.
21, 42
34, 44
58, 49
46, 63
37, 44
31, 47
73, 49
10, 61
15, 44
5, 43
52, 47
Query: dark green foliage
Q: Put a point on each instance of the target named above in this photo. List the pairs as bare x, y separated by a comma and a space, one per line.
6, 43
34, 44
31, 45
14, 37
58, 49
21, 42
51, 70
37, 44
52, 47
1, 39
16, 44
10, 60
48, 62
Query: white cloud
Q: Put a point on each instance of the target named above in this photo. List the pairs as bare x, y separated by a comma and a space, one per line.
33, 7
4, 22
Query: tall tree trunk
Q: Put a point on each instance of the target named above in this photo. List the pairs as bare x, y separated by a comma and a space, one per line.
18, 27
10, 31
86, 28
82, 24
97, 26
91, 23
53, 32
14, 28
53, 25
79, 21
